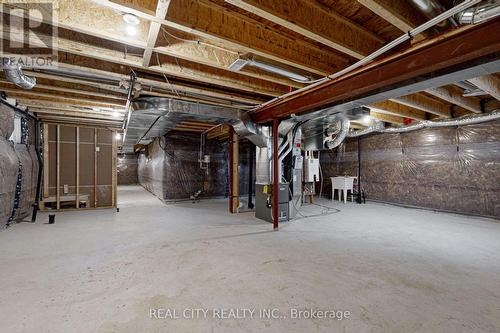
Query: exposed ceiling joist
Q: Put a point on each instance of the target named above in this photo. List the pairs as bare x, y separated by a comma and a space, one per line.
65, 112
71, 91
397, 12
489, 84
453, 95
68, 99
238, 33
387, 117
154, 29
424, 103
231, 80
217, 58
396, 109
312, 21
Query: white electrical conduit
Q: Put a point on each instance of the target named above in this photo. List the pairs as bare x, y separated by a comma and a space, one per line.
409, 35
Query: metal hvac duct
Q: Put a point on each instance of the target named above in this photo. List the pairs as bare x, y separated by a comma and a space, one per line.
340, 136
431, 9
238, 65
480, 13
466, 120
14, 74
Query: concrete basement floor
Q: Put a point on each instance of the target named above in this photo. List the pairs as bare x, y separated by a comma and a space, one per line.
394, 269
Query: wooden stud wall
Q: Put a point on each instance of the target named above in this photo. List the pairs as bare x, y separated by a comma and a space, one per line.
74, 168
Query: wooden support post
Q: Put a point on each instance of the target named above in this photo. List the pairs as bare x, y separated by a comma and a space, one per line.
95, 167
233, 172
45, 161
113, 175
58, 168
275, 173
77, 190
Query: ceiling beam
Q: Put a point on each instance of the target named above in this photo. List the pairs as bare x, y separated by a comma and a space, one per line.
242, 34
70, 91
164, 86
453, 95
489, 84
84, 114
425, 103
194, 73
94, 102
396, 109
397, 12
215, 57
387, 117
99, 26
314, 22
408, 70
154, 29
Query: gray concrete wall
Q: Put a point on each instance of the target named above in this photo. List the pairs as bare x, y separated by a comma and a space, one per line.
454, 169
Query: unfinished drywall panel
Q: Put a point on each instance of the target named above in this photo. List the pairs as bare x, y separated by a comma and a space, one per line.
80, 172
170, 168
127, 169
453, 169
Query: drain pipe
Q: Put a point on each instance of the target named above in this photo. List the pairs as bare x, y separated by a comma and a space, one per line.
36, 204
398, 41
128, 113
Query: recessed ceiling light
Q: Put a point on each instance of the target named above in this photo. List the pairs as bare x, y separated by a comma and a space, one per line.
131, 19
131, 30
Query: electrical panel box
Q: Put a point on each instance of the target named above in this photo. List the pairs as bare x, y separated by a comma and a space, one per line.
311, 170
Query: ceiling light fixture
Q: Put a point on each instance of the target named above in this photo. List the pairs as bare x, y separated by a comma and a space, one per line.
131, 30
131, 19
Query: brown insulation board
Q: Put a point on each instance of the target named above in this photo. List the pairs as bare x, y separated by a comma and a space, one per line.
127, 169
451, 169
171, 171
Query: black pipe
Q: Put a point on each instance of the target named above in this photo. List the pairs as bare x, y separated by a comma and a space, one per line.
251, 166
36, 204
358, 199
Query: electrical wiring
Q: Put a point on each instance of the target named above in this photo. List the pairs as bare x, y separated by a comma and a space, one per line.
197, 42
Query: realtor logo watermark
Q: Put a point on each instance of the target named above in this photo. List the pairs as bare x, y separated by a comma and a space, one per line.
29, 32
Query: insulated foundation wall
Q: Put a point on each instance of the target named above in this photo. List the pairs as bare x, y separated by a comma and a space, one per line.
126, 168
170, 168
452, 169
17, 162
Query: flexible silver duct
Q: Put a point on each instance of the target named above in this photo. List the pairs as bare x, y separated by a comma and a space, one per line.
341, 135
466, 120
13, 73
486, 11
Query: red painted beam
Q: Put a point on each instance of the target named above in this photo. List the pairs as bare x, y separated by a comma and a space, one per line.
276, 124
451, 49
231, 206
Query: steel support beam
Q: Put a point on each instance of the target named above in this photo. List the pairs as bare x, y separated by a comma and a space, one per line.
276, 124
422, 66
